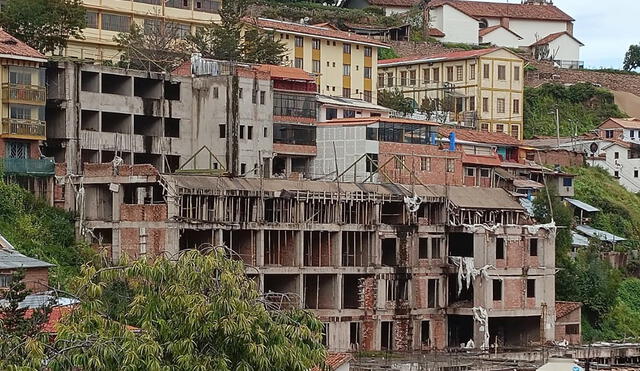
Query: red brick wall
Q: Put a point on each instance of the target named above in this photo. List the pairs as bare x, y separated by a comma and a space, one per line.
412, 153
560, 157
34, 147
35, 279
130, 242
513, 293
149, 213
106, 169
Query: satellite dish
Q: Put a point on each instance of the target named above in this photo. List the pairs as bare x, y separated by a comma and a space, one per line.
593, 147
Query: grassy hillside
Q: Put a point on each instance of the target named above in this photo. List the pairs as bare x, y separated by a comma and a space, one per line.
582, 108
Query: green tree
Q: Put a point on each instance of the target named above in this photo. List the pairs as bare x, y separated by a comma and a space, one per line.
45, 25
396, 100
197, 312
262, 47
632, 58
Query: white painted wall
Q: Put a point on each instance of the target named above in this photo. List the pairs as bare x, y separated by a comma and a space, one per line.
565, 48
457, 26
501, 37
528, 29
360, 112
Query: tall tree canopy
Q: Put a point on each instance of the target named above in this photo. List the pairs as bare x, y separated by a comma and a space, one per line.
199, 312
45, 25
632, 58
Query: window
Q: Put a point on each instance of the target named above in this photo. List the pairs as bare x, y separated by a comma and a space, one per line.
497, 290
265, 132
372, 162
485, 71
616, 174
249, 132
403, 78
616, 155
346, 92
632, 133
500, 105
459, 73
367, 96
346, 48
20, 112
114, 22
315, 44
450, 165
215, 92
484, 173
240, 93
425, 163
484, 126
533, 247
299, 63
399, 160
436, 75
315, 66
354, 334
412, 77
262, 96
500, 128
502, 72
299, 41
450, 73
567, 182
425, 333
368, 52
572, 329
17, 150
222, 130
485, 104
472, 103
470, 171
516, 106
20, 76
516, 73
348, 114
91, 19
499, 248
426, 75
472, 72
325, 334
531, 288
390, 79
515, 131
608, 133
367, 72
241, 131
435, 248
243, 168
432, 293
346, 70
332, 113
254, 96
635, 173
5, 280
423, 248
381, 80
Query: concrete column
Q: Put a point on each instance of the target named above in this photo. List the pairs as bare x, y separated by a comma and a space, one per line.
117, 200
339, 292
260, 248
172, 240
299, 247
287, 165
337, 250
116, 249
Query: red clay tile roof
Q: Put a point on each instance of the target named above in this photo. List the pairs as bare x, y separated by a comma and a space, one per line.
480, 9
9, 45
285, 73
334, 360
359, 121
184, 69
488, 30
395, 3
472, 135
563, 308
434, 32
481, 160
553, 36
271, 24
627, 123
464, 54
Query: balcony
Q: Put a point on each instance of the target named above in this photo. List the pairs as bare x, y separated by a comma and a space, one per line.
24, 129
24, 94
29, 167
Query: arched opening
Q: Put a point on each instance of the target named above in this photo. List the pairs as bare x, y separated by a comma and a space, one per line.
483, 23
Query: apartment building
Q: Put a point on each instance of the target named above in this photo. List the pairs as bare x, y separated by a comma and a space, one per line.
23, 117
107, 18
482, 88
345, 63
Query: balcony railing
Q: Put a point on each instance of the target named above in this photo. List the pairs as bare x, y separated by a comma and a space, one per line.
28, 166
24, 127
30, 94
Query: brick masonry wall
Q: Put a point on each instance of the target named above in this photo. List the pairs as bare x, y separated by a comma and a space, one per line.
37, 279
412, 153
148, 213
402, 334
130, 242
560, 157
106, 169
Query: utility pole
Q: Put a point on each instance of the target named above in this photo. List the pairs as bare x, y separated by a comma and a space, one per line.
558, 127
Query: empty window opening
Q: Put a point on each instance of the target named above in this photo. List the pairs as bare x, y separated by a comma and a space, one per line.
354, 335
318, 248
531, 288
279, 248
435, 248
90, 81
461, 244
171, 90
386, 335
103, 236
280, 210
358, 212
433, 288
460, 330
425, 333
88, 156
147, 158
393, 213
116, 84
325, 332
299, 165
389, 257
107, 156
514, 331
101, 199
147, 125
243, 245
194, 239
282, 284
463, 299
172, 128
499, 248
497, 290
141, 193
90, 120
352, 291
572, 329
397, 288
116, 123
147, 88
533, 247
423, 248
356, 248
172, 163
319, 291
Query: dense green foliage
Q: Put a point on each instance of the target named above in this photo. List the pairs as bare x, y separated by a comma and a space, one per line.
387, 54
582, 108
45, 25
41, 231
632, 58
198, 312
396, 100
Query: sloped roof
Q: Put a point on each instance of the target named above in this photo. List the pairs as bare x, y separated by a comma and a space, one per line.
395, 3
627, 123
480, 160
564, 308
10, 258
476, 136
582, 205
483, 198
488, 30
553, 36
334, 361
10, 46
601, 235
481, 9
441, 57
285, 73
318, 31
350, 102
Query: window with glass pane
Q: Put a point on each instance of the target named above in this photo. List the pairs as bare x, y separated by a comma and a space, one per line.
368, 52
20, 76
17, 150
91, 19
114, 22
20, 112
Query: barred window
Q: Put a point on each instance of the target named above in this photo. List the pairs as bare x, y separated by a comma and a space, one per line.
92, 19
114, 22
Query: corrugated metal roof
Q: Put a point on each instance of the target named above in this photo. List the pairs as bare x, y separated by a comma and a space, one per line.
39, 300
12, 259
582, 205
578, 239
349, 102
601, 235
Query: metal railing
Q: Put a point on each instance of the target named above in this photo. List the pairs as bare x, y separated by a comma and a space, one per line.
28, 166
572, 65
24, 93
33, 128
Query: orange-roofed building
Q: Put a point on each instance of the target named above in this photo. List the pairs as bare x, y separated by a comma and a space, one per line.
481, 89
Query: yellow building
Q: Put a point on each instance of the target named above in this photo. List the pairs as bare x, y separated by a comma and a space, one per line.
345, 63
107, 18
477, 88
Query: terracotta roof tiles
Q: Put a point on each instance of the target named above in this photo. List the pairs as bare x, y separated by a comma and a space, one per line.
9, 45
486, 137
284, 72
627, 123
488, 30
553, 36
457, 55
480, 9
563, 308
334, 361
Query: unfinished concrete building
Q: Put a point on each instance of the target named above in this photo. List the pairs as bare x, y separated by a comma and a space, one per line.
385, 266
